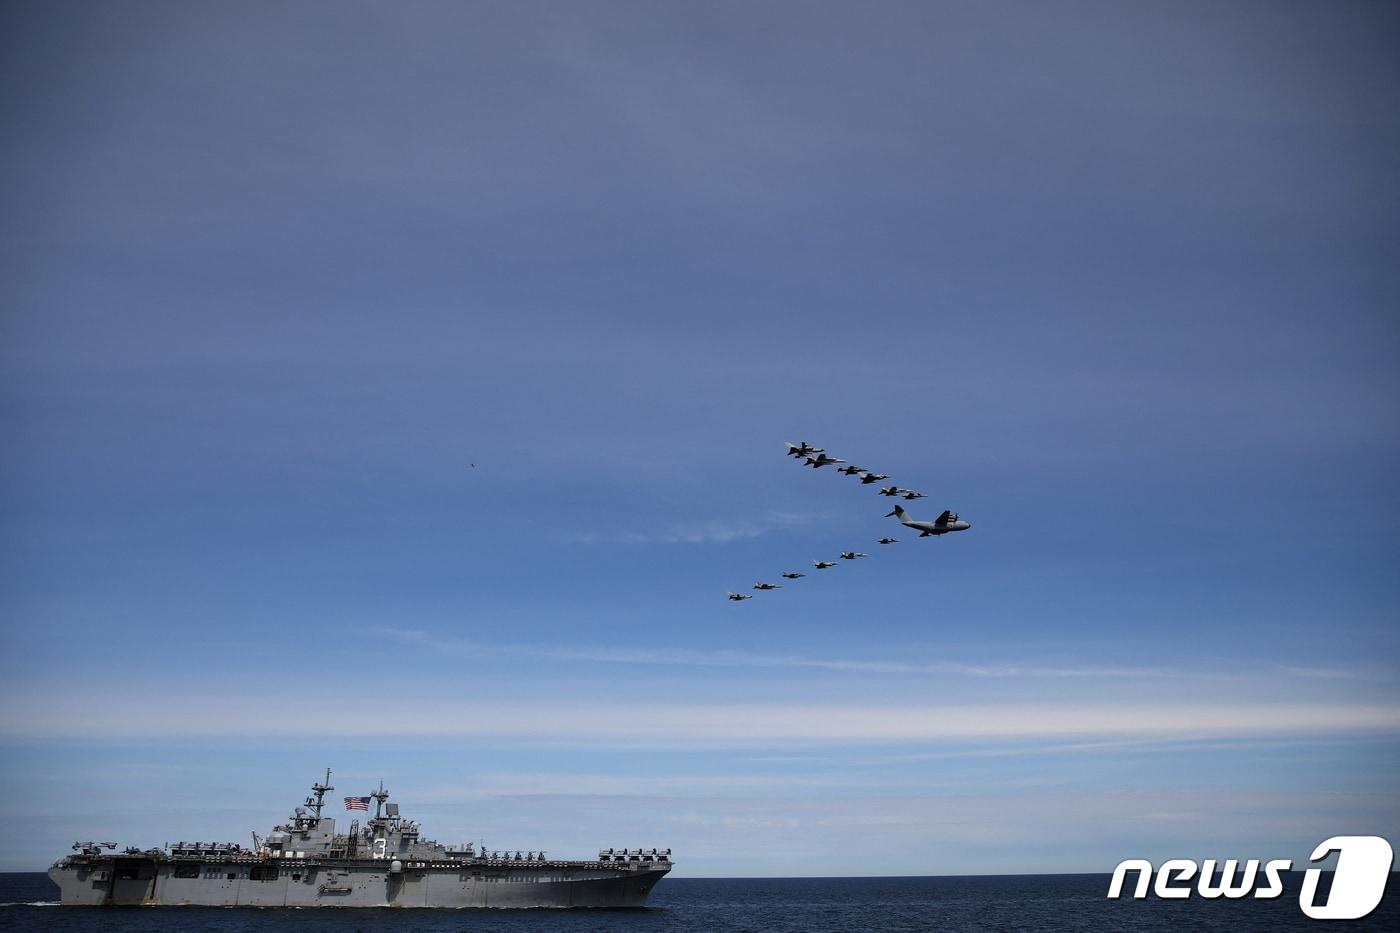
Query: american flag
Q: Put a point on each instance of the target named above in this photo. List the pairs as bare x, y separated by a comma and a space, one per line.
357, 803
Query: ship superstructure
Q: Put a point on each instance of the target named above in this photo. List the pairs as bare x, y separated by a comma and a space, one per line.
386, 862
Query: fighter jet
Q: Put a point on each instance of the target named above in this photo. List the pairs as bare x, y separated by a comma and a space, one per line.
821, 460
823, 564
851, 555
891, 491
911, 494
739, 597
888, 540
794, 576
768, 586
945, 523
850, 470
803, 449
869, 478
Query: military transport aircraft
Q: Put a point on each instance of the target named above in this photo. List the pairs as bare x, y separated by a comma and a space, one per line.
945, 523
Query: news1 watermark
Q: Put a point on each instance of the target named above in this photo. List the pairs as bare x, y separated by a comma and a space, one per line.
1358, 881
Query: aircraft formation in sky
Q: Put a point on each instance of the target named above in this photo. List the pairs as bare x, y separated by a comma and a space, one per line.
816, 458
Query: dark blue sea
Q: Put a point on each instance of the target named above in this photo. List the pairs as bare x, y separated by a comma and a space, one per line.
740, 905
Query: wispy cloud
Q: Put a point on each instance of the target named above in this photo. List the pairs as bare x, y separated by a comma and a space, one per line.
575, 784
681, 657
656, 724
1156, 744
701, 531
1319, 673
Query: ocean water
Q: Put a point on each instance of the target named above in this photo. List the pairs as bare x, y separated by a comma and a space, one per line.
737, 905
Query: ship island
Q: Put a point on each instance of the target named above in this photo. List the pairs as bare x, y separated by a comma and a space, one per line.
305, 862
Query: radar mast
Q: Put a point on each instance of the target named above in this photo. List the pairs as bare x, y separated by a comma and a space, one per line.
319, 791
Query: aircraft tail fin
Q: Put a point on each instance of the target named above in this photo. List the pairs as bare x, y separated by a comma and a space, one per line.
898, 512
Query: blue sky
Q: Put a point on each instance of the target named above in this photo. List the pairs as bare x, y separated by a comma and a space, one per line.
401, 390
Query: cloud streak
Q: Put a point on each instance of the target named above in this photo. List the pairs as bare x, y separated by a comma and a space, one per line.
705, 531
465, 648
652, 724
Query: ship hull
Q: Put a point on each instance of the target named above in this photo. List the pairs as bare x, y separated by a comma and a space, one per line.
118, 881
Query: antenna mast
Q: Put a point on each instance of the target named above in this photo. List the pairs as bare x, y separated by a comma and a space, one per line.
319, 790
379, 796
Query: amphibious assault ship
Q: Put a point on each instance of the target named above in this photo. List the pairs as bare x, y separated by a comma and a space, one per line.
386, 863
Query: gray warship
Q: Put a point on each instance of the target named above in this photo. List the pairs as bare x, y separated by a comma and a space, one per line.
386, 863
